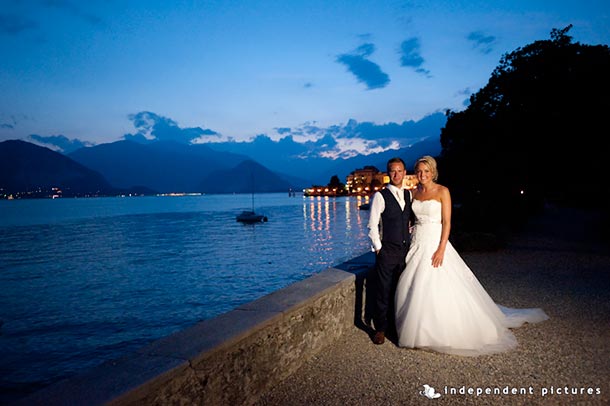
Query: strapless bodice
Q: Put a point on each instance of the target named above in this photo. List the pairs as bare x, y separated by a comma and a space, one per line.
427, 211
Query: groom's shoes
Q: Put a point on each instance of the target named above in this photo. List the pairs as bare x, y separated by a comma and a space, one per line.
379, 337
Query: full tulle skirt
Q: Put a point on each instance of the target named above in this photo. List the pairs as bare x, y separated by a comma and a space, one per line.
446, 309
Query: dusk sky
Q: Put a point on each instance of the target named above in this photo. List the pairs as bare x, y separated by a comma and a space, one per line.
91, 70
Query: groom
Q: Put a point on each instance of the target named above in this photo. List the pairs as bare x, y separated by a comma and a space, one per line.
390, 212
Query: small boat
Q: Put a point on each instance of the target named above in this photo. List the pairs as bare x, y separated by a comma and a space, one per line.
365, 206
250, 217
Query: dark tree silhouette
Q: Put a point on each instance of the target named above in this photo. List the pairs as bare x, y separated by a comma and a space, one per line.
335, 182
536, 132
336, 186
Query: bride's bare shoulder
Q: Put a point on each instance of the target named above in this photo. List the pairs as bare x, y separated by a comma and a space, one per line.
443, 191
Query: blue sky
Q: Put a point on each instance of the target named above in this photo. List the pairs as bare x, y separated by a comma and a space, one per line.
231, 70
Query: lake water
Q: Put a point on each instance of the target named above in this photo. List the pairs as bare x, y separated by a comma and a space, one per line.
83, 281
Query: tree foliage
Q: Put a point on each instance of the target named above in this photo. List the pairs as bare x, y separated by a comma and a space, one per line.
335, 182
537, 131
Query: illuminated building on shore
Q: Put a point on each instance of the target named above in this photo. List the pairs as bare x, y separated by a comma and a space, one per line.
369, 180
361, 182
365, 181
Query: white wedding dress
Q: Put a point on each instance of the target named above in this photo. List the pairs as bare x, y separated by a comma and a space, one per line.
446, 309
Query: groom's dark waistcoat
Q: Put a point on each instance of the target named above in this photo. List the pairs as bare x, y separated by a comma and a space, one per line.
395, 221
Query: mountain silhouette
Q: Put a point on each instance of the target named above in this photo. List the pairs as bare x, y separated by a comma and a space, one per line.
165, 166
26, 167
246, 177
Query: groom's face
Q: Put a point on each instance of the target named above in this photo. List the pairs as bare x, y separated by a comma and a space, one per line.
396, 174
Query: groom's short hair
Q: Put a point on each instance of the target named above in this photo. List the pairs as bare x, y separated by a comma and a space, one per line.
393, 161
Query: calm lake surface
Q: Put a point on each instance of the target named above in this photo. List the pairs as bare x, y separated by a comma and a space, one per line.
88, 280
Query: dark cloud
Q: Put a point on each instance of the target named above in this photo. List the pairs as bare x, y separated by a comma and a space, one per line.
283, 130
410, 56
365, 50
10, 122
358, 137
16, 17
74, 9
482, 42
310, 141
59, 143
366, 71
14, 24
152, 127
465, 92
384, 135
325, 143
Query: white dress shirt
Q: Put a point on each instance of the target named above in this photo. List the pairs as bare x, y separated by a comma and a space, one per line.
377, 207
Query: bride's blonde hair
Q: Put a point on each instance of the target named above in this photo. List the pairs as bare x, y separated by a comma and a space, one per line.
430, 162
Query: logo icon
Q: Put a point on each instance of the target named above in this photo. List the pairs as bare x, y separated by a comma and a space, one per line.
429, 392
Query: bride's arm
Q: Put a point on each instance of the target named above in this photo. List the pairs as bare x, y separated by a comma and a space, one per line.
439, 254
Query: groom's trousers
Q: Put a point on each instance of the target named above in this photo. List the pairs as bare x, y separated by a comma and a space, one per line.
389, 264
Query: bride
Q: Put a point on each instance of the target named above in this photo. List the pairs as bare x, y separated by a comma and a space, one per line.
440, 304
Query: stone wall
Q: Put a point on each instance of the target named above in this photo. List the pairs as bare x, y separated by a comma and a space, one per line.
232, 358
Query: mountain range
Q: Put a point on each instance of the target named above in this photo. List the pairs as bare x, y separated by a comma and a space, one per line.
171, 167
25, 167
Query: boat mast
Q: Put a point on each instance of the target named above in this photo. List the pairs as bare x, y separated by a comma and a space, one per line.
252, 185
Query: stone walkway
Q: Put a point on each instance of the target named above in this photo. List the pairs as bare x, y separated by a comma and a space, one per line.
559, 264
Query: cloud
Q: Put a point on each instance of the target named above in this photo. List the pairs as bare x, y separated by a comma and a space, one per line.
350, 139
14, 24
465, 92
283, 130
326, 142
358, 138
349, 148
410, 56
366, 71
7, 126
74, 9
484, 43
11, 122
59, 143
365, 50
17, 17
152, 127
307, 141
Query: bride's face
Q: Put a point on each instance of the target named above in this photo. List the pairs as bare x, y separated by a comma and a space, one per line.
423, 173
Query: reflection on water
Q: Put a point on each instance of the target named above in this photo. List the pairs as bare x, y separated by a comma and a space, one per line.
320, 209
87, 280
